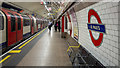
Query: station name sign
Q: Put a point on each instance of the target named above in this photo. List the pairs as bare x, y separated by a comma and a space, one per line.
97, 27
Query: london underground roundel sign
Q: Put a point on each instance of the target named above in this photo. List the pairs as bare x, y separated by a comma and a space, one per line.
100, 28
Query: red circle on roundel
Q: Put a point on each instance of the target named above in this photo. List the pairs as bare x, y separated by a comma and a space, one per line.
99, 40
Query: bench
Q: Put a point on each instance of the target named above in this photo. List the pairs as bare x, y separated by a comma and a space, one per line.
79, 56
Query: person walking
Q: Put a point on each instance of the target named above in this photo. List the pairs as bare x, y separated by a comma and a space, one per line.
55, 25
49, 25
59, 26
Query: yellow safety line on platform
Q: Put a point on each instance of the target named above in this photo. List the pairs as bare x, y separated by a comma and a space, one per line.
18, 51
31, 39
73, 47
15, 51
5, 58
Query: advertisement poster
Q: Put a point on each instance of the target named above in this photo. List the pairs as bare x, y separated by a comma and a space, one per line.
75, 24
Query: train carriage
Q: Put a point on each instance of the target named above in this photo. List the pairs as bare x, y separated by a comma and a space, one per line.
35, 24
26, 26
15, 27
38, 24
2, 30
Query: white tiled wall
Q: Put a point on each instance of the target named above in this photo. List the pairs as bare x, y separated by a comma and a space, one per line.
107, 53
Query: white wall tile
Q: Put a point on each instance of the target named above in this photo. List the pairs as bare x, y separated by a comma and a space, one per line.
109, 15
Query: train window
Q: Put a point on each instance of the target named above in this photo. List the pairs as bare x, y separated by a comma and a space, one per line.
38, 22
1, 22
26, 21
18, 21
12, 22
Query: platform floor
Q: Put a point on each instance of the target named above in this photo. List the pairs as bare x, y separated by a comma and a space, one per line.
48, 49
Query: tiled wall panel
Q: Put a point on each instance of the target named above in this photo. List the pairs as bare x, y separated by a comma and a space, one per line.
107, 53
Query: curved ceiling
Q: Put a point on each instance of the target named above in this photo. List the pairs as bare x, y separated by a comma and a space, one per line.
33, 7
38, 8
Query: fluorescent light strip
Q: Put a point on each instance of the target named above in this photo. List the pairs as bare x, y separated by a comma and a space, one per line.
45, 5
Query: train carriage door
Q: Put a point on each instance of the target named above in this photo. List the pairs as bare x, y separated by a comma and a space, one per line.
41, 24
19, 28
11, 25
32, 25
35, 24
37, 21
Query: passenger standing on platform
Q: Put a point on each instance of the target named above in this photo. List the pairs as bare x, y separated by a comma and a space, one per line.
55, 26
50, 25
59, 26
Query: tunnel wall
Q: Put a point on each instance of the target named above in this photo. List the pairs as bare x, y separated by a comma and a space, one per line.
107, 51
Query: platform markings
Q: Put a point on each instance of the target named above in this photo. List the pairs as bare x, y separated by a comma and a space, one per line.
12, 50
31, 39
16, 46
5, 58
73, 47
15, 51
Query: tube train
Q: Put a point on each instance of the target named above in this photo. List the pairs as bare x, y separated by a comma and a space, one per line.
15, 27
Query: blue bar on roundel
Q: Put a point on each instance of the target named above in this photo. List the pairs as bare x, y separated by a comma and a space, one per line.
97, 27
